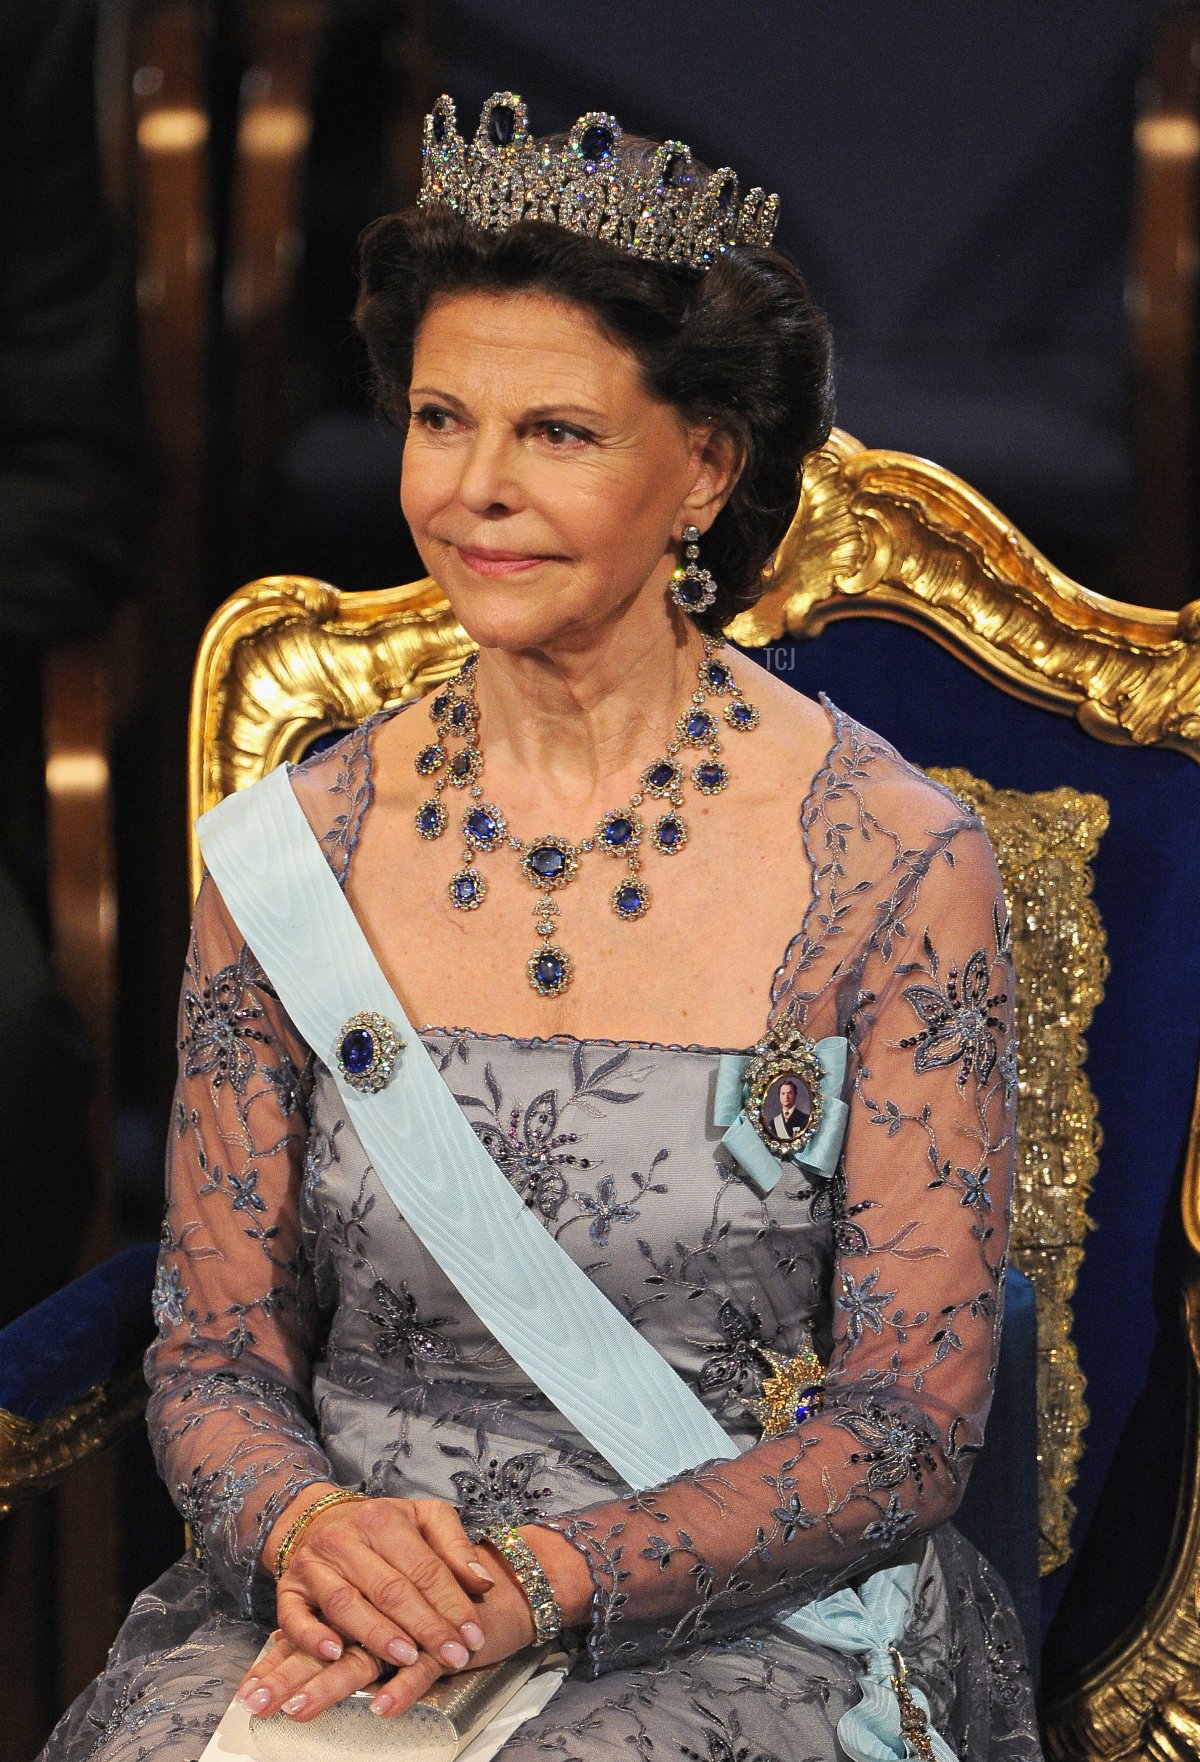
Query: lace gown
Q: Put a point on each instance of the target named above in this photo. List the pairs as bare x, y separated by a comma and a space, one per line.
305, 1334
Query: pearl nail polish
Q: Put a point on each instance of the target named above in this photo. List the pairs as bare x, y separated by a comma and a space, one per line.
297, 1704
456, 1656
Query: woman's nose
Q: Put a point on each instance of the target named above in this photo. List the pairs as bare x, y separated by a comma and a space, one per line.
489, 478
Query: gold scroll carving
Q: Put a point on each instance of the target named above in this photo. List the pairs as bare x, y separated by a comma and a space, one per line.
1044, 845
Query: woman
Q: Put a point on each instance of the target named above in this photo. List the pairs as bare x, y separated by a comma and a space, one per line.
604, 440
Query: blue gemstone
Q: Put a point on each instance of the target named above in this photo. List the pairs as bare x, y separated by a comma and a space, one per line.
699, 725
428, 759
803, 1409
618, 832
726, 194
673, 170
630, 900
441, 703
502, 125
547, 861
719, 677
460, 764
597, 142
690, 591
481, 825
741, 713
358, 1051
670, 833
427, 819
661, 776
459, 715
466, 889
549, 972
710, 776
439, 127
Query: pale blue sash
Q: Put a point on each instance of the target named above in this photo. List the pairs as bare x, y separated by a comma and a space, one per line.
602, 1375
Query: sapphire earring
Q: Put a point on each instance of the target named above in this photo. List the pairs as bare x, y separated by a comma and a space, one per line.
692, 588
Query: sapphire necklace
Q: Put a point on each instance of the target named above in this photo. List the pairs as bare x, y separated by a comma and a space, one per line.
550, 863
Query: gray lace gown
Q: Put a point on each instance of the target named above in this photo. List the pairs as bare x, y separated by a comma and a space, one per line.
305, 1334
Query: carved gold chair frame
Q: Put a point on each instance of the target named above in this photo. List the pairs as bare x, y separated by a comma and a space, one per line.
289, 658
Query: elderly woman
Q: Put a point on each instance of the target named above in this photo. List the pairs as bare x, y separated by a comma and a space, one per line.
711, 980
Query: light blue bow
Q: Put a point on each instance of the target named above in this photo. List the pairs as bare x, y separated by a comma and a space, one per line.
864, 1623
819, 1156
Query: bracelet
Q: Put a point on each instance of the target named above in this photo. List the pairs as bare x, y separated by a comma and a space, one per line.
292, 1538
527, 1570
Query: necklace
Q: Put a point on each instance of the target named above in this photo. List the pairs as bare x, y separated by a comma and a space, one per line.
550, 862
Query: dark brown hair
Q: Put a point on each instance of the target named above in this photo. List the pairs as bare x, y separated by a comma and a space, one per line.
741, 344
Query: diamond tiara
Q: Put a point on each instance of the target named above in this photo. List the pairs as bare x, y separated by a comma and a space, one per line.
666, 213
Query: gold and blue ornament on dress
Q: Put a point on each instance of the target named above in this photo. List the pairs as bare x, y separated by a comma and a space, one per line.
783, 1103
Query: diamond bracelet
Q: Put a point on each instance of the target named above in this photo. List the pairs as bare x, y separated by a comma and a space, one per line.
527, 1570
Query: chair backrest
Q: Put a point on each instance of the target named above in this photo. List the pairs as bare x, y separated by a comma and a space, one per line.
1072, 723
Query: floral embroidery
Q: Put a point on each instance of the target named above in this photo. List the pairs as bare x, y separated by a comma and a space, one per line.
735, 1359
604, 1209
960, 1024
221, 1035
401, 1330
499, 1491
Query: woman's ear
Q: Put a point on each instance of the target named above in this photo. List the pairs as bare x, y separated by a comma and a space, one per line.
719, 458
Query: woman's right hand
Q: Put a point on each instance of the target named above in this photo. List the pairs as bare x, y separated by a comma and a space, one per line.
394, 1576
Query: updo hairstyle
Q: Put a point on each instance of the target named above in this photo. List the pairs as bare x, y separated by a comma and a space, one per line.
741, 344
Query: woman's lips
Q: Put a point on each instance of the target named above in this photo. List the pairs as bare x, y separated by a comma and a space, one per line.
499, 562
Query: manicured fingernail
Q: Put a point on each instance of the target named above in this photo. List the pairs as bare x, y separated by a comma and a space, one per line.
330, 1649
382, 1704
247, 1687
472, 1633
402, 1651
456, 1656
259, 1701
481, 1573
297, 1704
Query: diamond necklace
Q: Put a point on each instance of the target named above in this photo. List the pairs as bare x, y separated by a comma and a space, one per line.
550, 862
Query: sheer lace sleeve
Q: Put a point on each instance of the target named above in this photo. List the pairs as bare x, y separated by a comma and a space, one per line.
921, 1213
229, 1411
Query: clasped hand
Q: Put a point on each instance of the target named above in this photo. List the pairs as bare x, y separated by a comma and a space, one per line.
381, 1582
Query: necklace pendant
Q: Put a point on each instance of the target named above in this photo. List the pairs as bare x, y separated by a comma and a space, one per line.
430, 818
549, 970
550, 862
467, 889
670, 834
630, 900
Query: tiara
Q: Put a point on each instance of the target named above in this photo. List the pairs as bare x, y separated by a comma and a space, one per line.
666, 213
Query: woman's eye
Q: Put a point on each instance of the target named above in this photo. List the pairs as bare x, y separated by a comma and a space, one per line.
432, 418
561, 434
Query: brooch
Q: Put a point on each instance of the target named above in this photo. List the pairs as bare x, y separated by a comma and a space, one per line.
366, 1052
793, 1391
782, 1096
784, 1103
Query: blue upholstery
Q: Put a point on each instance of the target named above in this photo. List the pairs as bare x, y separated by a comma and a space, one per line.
94, 1328
1144, 1047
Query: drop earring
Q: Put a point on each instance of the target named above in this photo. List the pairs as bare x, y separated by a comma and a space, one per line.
692, 587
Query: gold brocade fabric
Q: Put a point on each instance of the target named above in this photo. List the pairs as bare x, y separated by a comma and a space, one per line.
1044, 845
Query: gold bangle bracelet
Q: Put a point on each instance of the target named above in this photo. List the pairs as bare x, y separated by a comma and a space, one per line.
292, 1538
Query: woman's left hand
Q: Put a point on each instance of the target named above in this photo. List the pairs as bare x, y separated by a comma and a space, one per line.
288, 1680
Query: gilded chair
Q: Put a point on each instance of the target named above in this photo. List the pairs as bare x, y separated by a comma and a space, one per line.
1072, 723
